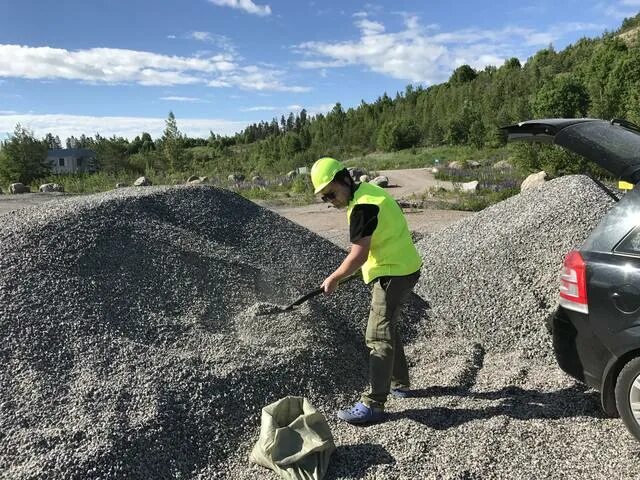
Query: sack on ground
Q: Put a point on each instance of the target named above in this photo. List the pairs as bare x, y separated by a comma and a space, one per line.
295, 440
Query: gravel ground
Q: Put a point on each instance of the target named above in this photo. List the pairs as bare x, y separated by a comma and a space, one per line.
131, 346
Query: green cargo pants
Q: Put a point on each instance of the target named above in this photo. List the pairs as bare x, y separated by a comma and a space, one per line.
387, 363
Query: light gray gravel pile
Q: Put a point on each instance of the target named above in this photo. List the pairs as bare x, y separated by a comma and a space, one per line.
130, 346
494, 277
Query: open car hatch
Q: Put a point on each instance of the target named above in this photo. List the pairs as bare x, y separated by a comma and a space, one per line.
614, 145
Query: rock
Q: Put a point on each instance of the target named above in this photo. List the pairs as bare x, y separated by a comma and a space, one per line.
204, 179
257, 179
236, 177
197, 181
292, 174
502, 165
356, 172
434, 170
142, 182
473, 164
381, 181
51, 187
121, 185
469, 186
192, 178
364, 178
18, 187
533, 180
456, 165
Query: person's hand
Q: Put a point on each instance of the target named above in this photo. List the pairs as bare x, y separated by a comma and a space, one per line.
329, 285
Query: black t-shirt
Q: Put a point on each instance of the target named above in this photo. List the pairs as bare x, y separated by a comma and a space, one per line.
363, 221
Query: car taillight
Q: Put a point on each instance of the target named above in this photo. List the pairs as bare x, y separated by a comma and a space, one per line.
573, 283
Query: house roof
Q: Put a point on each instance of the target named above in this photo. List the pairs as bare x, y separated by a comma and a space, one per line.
70, 152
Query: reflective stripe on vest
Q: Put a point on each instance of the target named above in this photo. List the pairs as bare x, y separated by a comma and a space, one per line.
392, 252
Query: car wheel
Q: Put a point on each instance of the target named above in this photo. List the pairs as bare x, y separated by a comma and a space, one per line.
628, 396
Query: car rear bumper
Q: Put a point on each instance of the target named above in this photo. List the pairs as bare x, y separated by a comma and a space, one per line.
578, 351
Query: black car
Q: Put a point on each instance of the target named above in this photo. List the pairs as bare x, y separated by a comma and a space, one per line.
596, 328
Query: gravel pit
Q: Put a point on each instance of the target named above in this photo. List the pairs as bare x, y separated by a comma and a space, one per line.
131, 348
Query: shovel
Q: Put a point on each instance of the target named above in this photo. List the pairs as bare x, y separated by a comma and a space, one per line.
305, 297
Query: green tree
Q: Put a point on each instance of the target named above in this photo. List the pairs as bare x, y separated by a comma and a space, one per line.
462, 74
24, 158
172, 144
564, 96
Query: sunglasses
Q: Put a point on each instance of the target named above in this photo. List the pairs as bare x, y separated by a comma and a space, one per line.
328, 196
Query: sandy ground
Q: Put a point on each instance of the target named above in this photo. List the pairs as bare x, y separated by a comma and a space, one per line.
412, 181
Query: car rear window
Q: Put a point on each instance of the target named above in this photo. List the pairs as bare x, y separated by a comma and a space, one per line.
631, 243
615, 227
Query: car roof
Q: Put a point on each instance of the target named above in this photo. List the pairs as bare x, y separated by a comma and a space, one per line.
614, 145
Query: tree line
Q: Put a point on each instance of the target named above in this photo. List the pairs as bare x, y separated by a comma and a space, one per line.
595, 77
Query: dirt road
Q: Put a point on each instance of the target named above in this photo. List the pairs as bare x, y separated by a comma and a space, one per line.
412, 181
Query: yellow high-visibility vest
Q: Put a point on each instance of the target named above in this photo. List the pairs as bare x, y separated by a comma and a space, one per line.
392, 251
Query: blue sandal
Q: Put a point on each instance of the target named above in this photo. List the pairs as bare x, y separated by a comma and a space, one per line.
360, 414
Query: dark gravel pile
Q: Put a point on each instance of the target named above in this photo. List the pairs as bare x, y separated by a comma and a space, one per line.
130, 345
494, 277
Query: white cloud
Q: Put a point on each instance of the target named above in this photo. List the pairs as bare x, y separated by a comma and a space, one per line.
259, 108
246, 5
113, 66
256, 78
183, 99
621, 9
313, 110
423, 54
220, 41
129, 127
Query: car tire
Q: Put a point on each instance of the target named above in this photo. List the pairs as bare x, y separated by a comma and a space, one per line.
628, 391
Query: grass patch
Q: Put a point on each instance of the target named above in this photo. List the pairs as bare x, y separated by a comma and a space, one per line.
426, 157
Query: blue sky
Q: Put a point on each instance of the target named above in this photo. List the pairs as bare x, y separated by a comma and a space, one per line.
118, 67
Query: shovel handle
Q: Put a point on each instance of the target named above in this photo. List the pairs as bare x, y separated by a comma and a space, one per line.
316, 292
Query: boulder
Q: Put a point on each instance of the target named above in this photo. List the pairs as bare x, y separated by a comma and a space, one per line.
456, 165
142, 182
502, 165
469, 186
121, 185
381, 181
18, 187
364, 178
533, 180
236, 177
356, 172
192, 178
435, 170
197, 181
473, 164
51, 187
